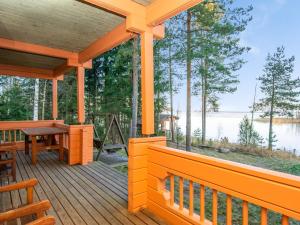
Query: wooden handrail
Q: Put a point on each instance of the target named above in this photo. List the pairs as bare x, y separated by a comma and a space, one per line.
16, 125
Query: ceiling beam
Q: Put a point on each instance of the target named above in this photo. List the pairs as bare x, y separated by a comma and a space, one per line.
120, 7
105, 43
112, 39
36, 49
66, 67
161, 10
28, 72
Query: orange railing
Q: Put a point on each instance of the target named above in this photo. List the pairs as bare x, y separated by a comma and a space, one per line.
10, 131
188, 188
78, 141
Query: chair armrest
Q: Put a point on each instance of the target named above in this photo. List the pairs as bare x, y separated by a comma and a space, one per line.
21, 185
35, 208
46, 220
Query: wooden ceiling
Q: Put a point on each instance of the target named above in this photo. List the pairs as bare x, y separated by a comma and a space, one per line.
63, 24
15, 58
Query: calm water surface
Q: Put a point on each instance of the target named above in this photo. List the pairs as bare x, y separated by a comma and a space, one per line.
222, 124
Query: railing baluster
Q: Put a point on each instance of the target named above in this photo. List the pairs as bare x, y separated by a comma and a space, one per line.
9, 136
172, 190
20, 135
245, 212
180, 193
202, 203
215, 208
15, 136
228, 210
191, 198
4, 136
264, 216
284, 220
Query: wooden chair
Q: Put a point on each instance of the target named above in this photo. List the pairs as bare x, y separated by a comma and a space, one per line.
8, 160
46, 220
31, 213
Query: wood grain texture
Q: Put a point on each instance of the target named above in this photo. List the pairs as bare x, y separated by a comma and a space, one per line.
93, 194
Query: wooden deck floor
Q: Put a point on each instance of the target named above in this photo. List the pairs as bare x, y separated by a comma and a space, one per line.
93, 194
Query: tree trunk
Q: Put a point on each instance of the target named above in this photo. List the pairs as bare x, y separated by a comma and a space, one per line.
158, 108
135, 83
36, 100
270, 144
252, 114
204, 101
44, 99
171, 93
188, 83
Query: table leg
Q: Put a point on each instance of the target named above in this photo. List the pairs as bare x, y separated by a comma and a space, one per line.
26, 144
33, 150
14, 166
61, 147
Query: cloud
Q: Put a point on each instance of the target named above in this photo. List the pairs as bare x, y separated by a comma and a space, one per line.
254, 49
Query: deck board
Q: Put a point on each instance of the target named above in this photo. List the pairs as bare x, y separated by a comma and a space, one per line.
92, 194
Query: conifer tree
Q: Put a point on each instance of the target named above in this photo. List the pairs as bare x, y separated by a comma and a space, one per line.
281, 91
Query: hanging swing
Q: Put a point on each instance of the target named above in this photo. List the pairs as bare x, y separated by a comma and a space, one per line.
109, 148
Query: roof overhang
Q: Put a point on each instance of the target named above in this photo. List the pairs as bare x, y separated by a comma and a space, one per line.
46, 38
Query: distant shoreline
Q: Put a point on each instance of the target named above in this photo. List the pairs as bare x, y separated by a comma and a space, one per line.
278, 120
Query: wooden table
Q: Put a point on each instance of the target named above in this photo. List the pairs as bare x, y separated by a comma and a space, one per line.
49, 132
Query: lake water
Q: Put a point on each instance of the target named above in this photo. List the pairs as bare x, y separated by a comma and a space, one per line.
223, 124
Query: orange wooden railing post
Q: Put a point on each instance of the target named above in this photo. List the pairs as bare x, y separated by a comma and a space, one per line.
54, 99
138, 171
80, 94
147, 83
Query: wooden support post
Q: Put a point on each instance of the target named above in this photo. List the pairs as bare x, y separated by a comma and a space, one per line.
138, 171
80, 94
147, 83
54, 99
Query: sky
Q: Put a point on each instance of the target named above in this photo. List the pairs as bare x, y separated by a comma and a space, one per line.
275, 23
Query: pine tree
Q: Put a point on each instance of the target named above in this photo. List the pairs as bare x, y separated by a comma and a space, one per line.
217, 50
280, 91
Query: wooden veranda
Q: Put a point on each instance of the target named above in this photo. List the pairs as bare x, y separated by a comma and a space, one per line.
93, 194
45, 39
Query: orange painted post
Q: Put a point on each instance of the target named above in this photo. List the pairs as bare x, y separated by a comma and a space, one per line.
215, 207
264, 216
202, 203
228, 210
284, 220
80, 94
54, 99
172, 190
147, 83
138, 171
191, 212
245, 213
181, 193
